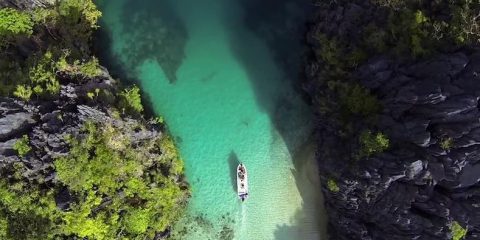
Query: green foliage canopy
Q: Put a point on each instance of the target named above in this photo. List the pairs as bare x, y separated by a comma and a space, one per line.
373, 143
105, 164
131, 100
458, 232
446, 143
43, 75
358, 100
14, 23
332, 186
118, 190
23, 92
22, 146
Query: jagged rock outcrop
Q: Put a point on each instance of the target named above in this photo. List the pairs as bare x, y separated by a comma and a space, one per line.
419, 186
23, 4
48, 122
429, 177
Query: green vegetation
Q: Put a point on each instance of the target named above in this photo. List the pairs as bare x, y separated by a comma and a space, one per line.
373, 143
151, 198
358, 100
446, 143
423, 27
14, 23
81, 13
130, 100
114, 188
43, 76
22, 146
458, 232
409, 30
332, 186
26, 212
24, 92
121, 191
66, 27
89, 69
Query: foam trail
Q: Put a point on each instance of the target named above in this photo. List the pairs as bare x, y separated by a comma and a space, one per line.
243, 221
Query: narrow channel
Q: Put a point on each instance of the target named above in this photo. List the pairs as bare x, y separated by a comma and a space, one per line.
226, 99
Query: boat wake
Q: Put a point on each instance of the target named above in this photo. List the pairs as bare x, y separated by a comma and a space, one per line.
243, 221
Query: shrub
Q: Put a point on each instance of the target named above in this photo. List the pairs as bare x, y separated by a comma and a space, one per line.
22, 146
82, 13
373, 143
409, 32
458, 232
76, 20
446, 143
329, 50
88, 69
45, 16
14, 23
358, 100
43, 75
332, 185
91, 68
24, 92
26, 211
130, 99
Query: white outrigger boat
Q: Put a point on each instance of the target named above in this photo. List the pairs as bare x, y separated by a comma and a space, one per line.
242, 182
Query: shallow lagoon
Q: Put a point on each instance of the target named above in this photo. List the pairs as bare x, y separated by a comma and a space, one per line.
226, 100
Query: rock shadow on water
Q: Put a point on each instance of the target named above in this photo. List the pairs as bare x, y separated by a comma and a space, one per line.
102, 46
110, 60
272, 82
142, 21
232, 167
289, 113
154, 31
282, 25
151, 31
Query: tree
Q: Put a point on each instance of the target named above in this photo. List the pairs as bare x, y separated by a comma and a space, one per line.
24, 92
22, 146
104, 163
78, 18
14, 23
358, 100
332, 185
373, 143
131, 99
91, 68
446, 143
43, 75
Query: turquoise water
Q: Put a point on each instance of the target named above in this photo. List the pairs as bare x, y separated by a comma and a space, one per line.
230, 102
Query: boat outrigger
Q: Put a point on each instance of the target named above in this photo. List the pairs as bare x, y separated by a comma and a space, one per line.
242, 182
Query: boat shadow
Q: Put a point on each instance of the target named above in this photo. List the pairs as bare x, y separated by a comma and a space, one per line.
232, 166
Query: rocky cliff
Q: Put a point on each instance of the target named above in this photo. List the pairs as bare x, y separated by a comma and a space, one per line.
425, 185
78, 158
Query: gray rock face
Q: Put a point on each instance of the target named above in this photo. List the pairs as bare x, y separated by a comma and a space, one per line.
429, 177
22, 4
418, 187
48, 122
15, 124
